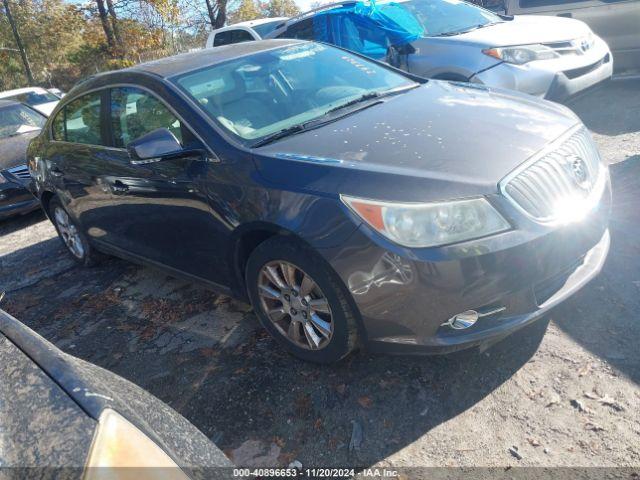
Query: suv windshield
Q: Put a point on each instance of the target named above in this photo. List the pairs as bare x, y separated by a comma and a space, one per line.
257, 95
18, 119
448, 17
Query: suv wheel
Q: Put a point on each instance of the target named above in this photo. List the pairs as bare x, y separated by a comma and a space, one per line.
299, 299
72, 237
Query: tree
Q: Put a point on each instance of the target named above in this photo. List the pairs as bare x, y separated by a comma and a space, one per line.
106, 25
280, 8
19, 44
247, 10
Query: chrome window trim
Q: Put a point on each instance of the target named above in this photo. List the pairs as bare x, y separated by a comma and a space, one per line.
502, 185
214, 159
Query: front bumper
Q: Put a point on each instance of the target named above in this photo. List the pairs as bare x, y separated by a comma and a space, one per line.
16, 199
558, 79
404, 297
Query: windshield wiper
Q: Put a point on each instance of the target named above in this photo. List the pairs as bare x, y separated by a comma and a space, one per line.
285, 132
467, 30
372, 96
301, 127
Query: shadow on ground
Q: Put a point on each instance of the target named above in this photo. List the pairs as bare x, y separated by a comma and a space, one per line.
603, 112
604, 316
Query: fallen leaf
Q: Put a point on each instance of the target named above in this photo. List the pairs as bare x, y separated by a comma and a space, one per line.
365, 402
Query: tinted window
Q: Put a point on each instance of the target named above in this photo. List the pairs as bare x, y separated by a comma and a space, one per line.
135, 112
18, 119
302, 30
81, 120
231, 36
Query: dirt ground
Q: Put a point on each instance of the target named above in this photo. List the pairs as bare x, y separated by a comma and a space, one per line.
569, 396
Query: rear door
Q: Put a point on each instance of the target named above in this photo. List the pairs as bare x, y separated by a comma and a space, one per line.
77, 156
616, 21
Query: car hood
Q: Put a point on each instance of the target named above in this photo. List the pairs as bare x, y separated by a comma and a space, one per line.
527, 29
46, 108
13, 150
449, 133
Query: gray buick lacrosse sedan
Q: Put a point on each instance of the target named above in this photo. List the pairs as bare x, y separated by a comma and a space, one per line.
353, 204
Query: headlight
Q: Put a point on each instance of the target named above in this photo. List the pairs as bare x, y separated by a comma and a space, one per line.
429, 224
522, 54
117, 444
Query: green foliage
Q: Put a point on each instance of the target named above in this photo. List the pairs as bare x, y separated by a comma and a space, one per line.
66, 41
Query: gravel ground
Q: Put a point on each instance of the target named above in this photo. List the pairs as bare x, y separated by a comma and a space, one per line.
567, 397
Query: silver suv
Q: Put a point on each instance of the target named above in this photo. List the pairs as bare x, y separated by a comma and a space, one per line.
549, 57
616, 21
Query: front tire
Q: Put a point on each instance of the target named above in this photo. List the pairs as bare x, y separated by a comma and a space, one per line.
71, 235
301, 301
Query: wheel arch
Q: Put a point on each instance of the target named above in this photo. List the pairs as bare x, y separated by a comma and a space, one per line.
45, 201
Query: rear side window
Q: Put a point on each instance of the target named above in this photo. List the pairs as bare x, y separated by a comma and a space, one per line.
231, 36
135, 112
303, 30
79, 121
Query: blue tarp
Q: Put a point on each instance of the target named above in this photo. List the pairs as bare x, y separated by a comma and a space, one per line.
367, 28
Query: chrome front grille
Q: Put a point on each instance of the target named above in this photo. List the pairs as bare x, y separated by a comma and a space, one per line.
564, 177
21, 171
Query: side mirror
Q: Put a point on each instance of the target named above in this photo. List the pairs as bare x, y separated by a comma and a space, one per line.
154, 146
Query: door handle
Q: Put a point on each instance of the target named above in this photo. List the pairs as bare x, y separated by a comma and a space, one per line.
56, 172
119, 188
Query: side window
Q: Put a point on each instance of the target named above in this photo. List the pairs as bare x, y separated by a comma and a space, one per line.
231, 36
82, 120
222, 38
303, 30
135, 112
239, 36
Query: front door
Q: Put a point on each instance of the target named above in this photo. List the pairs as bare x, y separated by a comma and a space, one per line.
160, 210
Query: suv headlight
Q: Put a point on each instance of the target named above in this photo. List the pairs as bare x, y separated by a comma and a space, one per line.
429, 224
521, 54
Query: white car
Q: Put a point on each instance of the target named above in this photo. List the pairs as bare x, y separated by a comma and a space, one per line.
39, 98
244, 31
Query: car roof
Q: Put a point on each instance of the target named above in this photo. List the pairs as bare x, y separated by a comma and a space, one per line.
18, 91
185, 62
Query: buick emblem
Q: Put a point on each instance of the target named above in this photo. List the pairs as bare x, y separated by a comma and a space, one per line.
579, 170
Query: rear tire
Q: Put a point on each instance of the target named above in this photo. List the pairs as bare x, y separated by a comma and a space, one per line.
301, 301
71, 235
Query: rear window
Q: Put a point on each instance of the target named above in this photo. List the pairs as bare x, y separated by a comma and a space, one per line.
231, 36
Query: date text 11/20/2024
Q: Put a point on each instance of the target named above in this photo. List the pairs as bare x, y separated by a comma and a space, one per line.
317, 473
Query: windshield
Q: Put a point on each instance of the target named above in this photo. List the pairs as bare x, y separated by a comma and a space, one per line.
446, 17
266, 28
34, 98
18, 119
257, 95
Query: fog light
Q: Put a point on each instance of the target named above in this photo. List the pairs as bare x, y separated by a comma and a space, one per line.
464, 320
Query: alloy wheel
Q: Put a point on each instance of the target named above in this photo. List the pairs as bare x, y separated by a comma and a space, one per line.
68, 232
295, 305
